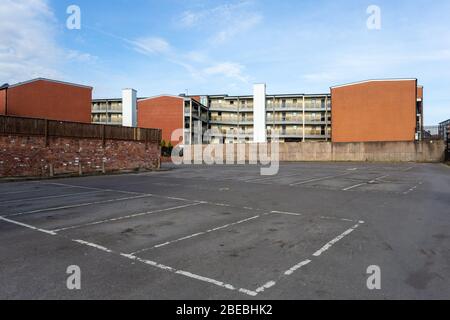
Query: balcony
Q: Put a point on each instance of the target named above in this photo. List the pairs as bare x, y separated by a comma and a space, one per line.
221, 120
225, 108
285, 107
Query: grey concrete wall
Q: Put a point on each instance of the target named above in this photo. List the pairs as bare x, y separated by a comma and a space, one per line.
362, 151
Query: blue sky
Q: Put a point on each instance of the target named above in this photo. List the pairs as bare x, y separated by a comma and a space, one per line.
212, 47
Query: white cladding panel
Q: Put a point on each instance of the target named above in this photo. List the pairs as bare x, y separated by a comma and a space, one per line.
129, 112
259, 113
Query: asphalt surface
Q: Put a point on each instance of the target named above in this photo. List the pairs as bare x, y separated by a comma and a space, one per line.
226, 232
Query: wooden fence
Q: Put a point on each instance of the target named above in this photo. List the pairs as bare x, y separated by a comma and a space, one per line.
54, 128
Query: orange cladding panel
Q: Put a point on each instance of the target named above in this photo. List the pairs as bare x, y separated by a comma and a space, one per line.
374, 111
50, 100
165, 113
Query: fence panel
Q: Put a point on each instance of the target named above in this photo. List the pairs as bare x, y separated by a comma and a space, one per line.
32, 126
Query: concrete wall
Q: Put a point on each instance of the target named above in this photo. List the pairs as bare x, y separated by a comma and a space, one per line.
374, 111
50, 100
361, 151
29, 156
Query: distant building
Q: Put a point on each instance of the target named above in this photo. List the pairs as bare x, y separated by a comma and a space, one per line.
292, 117
48, 99
107, 111
373, 110
444, 129
170, 113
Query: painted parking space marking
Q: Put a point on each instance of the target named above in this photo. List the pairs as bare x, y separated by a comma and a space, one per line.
365, 183
336, 240
27, 226
131, 216
49, 197
191, 275
296, 267
79, 205
197, 234
319, 179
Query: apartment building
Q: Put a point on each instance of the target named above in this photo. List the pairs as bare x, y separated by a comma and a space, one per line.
292, 117
372, 110
107, 111
171, 113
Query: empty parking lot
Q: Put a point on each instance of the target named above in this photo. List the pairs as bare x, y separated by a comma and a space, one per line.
226, 232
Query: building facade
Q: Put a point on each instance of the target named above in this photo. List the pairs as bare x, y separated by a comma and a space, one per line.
444, 129
172, 113
377, 111
373, 110
292, 117
107, 111
47, 99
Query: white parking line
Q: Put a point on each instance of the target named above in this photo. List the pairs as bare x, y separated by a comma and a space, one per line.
320, 179
335, 240
29, 191
197, 234
192, 275
89, 188
411, 190
28, 226
296, 267
125, 217
287, 213
49, 197
365, 183
93, 245
79, 205
268, 285
148, 262
355, 186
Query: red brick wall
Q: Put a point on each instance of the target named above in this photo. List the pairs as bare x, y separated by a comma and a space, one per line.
165, 113
28, 155
2, 101
50, 100
376, 111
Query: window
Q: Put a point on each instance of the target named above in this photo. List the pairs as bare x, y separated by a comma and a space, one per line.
231, 102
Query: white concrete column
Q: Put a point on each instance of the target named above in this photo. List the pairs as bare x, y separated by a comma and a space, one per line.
259, 113
129, 108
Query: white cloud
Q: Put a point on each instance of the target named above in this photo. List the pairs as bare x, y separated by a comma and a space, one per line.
27, 40
227, 69
151, 45
225, 21
28, 43
197, 63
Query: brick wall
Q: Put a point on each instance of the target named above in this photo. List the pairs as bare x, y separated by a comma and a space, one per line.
22, 155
